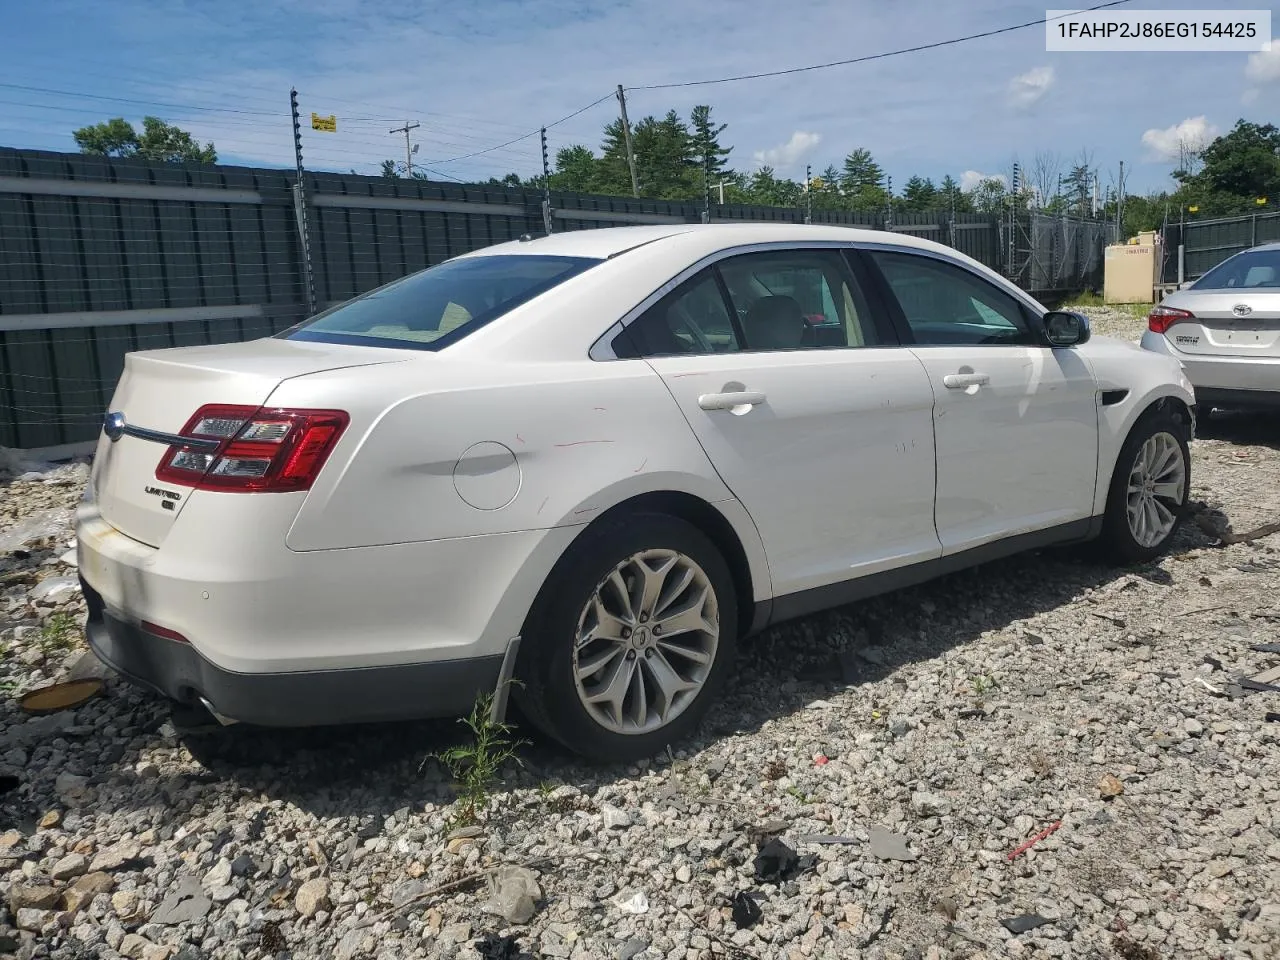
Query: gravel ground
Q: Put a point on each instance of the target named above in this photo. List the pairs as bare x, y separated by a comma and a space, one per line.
931, 733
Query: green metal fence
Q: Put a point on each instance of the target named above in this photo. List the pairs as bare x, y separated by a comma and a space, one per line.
100, 257
1206, 243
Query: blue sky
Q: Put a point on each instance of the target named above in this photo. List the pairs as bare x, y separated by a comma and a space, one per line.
476, 75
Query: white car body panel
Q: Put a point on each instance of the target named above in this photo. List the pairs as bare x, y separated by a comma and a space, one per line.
465, 474
1036, 398
840, 429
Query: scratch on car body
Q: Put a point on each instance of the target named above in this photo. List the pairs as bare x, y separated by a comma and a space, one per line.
578, 443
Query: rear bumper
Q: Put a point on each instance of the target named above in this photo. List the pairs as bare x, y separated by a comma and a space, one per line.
296, 699
1224, 380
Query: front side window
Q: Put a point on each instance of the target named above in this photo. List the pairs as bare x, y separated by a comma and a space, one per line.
440, 305
1254, 269
797, 300
945, 304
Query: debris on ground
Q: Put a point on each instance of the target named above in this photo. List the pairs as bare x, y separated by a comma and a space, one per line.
1023, 923
745, 911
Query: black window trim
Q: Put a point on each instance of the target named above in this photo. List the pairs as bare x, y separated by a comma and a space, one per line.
602, 349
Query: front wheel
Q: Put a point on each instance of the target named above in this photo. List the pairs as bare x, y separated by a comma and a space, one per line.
629, 642
1149, 489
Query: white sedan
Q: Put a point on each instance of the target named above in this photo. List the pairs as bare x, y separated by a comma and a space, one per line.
583, 467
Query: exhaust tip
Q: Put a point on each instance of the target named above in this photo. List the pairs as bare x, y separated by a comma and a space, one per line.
225, 721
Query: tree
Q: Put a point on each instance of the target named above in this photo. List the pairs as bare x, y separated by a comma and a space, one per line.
951, 197
919, 194
1077, 185
158, 141
862, 181
706, 143
765, 188
1238, 167
1043, 174
394, 170
575, 170
989, 196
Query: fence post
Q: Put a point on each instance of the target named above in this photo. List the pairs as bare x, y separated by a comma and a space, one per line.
300, 208
1253, 231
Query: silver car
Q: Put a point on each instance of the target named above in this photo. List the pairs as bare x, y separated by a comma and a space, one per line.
1225, 330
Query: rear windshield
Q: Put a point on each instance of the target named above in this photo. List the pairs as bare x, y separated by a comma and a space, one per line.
440, 305
1253, 269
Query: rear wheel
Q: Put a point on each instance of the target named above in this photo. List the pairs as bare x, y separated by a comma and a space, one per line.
1149, 488
630, 639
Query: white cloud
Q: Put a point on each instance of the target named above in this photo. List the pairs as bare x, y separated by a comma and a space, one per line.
1193, 133
970, 179
1263, 67
1029, 88
793, 151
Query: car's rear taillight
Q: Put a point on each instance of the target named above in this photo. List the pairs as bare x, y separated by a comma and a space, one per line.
1162, 318
257, 449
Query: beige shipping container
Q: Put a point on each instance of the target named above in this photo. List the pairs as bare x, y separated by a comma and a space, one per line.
1129, 270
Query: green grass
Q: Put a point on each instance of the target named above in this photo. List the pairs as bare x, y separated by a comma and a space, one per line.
475, 765
1091, 299
60, 633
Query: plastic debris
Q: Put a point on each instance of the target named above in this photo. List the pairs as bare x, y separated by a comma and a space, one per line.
635, 904
776, 862
746, 912
886, 845
1024, 847
513, 894
1028, 921
494, 947
820, 760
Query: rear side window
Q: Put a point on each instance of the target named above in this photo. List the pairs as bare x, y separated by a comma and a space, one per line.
442, 304
1255, 269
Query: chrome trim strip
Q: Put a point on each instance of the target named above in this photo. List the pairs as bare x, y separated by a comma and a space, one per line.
171, 439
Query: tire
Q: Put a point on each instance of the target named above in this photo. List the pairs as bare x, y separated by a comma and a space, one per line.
608, 557
1163, 436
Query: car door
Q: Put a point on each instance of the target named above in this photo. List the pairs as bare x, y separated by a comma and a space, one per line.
1015, 421
814, 416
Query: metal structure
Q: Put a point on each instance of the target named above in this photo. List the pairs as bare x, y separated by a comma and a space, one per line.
1206, 243
102, 256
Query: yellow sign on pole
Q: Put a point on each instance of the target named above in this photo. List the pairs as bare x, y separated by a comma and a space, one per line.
1261, 201
328, 124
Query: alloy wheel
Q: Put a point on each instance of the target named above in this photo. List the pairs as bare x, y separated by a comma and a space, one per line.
1157, 487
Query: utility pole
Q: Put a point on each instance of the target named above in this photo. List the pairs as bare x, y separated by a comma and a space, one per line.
300, 207
706, 188
546, 185
888, 202
626, 135
1120, 201
408, 153
720, 186
808, 195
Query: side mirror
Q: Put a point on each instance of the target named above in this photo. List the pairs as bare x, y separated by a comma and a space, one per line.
1065, 328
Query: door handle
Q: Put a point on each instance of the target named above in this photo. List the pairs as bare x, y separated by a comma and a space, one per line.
727, 401
959, 381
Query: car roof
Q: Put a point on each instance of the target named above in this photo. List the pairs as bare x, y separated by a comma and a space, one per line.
608, 242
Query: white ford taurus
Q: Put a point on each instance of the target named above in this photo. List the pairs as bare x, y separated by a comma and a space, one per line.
591, 463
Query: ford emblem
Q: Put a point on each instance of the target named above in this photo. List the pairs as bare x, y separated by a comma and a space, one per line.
1242, 309
113, 426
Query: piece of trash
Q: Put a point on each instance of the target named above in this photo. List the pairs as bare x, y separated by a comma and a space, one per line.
1272, 717
776, 862
513, 894
1023, 848
1110, 787
825, 838
1028, 921
1247, 683
635, 904
1209, 686
1213, 662
745, 911
52, 588
60, 696
1266, 647
494, 947
820, 760
886, 845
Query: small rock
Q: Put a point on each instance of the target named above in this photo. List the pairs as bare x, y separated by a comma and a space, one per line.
312, 897
683, 873
614, 818
133, 945
1109, 787
114, 857
146, 770
185, 904
70, 786
243, 866
54, 588
632, 948
50, 820
29, 896
28, 918
72, 865
930, 804
219, 876
1192, 727
157, 951
124, 903
885, 845
85, 889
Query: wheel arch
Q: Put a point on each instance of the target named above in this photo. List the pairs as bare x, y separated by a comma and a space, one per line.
1120, 428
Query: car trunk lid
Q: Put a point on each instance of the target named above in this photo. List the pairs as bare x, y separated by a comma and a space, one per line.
1229, 323
158, 393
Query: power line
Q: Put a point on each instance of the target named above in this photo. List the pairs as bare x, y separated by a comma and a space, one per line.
875, 56
145, 103
532, 133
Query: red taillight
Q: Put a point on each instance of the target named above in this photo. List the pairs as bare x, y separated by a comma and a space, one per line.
258, 449
1162, 318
